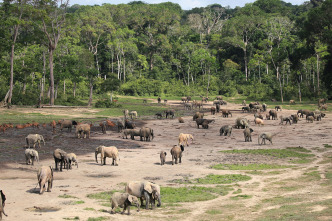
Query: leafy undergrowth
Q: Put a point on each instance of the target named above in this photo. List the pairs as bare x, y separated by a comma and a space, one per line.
248, 166
215, 179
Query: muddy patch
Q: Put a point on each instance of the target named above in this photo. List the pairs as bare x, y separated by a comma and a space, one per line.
42, 209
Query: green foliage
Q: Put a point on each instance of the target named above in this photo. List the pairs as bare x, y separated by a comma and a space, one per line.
101, 195
106, 103
217, 179
100, 218
279, 153
67, 196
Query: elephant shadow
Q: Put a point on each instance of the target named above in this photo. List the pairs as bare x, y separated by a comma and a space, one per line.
34, 190
166, 162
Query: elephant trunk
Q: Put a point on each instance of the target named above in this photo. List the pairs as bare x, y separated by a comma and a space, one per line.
159, 202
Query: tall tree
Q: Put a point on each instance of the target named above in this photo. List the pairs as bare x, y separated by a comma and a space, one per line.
52, 14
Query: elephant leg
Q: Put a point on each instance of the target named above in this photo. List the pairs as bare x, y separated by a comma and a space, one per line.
104, 160
141, 201
180, 159
172, 160
113, 161
114, 207
49, 186
61, 165
32, 160
147, 200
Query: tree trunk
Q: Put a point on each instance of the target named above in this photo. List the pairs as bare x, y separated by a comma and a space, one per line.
318, 86
300, 95
91, 91
124, 69
207, 89
24, 84
64, 87
44, 75
74, 90
51, 50
56, 91
245, 63
11, 84
280, 86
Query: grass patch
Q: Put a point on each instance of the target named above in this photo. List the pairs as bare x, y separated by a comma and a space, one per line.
238, 191
216, 179
301, 161
299, 149
67, 196
73, 218
281, 200
241, 197
192, 193
101, 195
278, 153
77, 202
101, 218
327, 146
248, 166
311, 176
89, 209
213, 212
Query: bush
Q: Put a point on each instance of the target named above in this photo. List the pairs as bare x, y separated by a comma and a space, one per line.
106, 103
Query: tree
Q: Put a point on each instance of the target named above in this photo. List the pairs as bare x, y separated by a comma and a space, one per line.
53, 16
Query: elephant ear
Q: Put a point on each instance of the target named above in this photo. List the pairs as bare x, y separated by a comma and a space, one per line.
147, 187
130, 198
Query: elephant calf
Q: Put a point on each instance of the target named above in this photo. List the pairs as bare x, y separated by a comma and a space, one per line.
124, 200
226, 130
176, 153
265, 136
247, 134
45, 175
71, 158
162, 157
31, 155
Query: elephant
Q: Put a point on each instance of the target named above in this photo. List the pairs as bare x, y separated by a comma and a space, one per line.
185, 138
244, 103
34, 139
218, 98
226, 130
201, 121
170, 113
199, 105
241, 123
66, 124
61, 157
213, 110
83, 129
294, 118
165, 101
188, 98
218, 108
323, 107
176, 153
135, 133
187, 106
31, 155
184, 99
162, 157
198, 115
133, 114
147, 191
159, 115
278, 107
103, 126
268, 117
291, 102
126, 113
287, 119
259, 121
273, 114
111, 152
146, 134
120, 126
260, 116
321, 101
159, 100
225, 113
2, 204
247, 109
181, 120
125, 133
72, 158
264, 107
265, 136
124, 200
129, 125
45, 175
247, 134
310, 119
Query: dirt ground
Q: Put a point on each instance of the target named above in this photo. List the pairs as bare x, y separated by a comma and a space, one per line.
140, 161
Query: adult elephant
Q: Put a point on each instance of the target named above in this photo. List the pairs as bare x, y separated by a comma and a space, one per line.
83, 131
111, 152
60, 156
273, 114
34, 139
147, 191
45, 175
146, 133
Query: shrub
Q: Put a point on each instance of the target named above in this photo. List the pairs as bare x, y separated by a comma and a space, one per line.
106, 103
